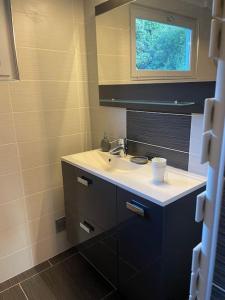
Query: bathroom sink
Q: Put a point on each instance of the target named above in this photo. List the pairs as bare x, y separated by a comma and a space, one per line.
106, 162
137, 178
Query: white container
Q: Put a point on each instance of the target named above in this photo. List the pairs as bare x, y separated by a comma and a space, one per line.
158, 169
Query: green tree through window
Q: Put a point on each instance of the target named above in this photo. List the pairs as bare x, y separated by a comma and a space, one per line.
162, 47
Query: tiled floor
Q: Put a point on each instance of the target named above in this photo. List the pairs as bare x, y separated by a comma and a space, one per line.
65, 277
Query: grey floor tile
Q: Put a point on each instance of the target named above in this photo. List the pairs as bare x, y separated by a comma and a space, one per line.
62, 256
14, 293
73, 279
114, 296
23, 276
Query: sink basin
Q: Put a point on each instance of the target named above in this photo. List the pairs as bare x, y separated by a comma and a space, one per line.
106, 162
137, 178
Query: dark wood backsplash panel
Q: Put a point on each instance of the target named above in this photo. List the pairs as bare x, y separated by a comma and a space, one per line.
164, 130
174, 158
217, 294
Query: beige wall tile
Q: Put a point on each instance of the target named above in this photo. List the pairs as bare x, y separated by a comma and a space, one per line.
79, 38
93, 94
50, 247
48, 123
16, 263
8, 159
43, 228
44, 24
4, 98
113, 73
37, 64
60, 123
32, 96
12, 214
91, 43
7, 134
117, 18
44, 203
42, 178
10, 187
110, 120
83, 94
14, 239
85, 119
92, 68
113, 41
42, 152
30, 126
87, 141
82, 68
79, 11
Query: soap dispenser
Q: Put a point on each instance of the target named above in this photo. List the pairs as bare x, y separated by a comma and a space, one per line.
105, 144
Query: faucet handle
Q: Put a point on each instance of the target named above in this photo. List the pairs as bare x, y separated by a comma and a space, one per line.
121, 142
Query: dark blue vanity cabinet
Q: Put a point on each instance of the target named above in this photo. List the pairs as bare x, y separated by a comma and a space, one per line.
90, 205
139, 235
142, 248
156, 243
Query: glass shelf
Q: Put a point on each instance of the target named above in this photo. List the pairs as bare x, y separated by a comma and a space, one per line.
147, 103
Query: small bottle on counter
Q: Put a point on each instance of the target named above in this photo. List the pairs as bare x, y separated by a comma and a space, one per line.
105, 144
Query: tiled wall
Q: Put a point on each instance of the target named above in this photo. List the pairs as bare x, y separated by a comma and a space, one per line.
103, 119
113, 40
42, 117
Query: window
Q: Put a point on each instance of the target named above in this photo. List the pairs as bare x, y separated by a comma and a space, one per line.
163, 44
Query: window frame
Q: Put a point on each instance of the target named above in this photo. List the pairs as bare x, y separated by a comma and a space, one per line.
169, 18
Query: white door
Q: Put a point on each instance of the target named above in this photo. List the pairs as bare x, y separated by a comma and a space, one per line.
213, 151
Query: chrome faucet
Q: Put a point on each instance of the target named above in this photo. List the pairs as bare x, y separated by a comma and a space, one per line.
120, 149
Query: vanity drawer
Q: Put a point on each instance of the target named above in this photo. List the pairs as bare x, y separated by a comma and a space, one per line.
88, 197
139, 245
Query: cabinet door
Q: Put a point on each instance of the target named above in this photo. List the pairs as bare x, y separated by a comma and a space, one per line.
139, 243
90, 204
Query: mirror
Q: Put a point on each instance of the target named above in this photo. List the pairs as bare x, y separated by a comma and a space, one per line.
151, 50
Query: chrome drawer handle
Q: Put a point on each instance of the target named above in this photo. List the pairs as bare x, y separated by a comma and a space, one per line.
135, 209
86, 227
84, 181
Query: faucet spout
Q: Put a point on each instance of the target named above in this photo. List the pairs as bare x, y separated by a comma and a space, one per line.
120, 149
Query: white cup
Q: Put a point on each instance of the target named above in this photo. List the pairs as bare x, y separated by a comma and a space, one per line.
158, 169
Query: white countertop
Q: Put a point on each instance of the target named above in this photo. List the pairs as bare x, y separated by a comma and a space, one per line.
137, 179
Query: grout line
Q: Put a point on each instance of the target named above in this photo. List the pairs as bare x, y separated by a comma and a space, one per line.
8, 144
32, 243
8, 288
23, 291
133, 141
38, 273
30, 195
49, 110
109, 294
68, 51
158, 113
98, 271
219, 288
56, 81
50, 263
50, 267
